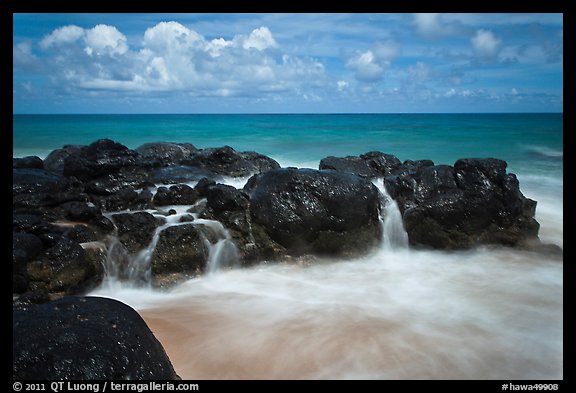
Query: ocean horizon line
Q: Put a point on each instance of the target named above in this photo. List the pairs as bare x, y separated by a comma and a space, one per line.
287, 114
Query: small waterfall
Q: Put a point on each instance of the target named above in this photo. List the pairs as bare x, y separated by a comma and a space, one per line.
125, 270
393, 233
223, 253
133, 270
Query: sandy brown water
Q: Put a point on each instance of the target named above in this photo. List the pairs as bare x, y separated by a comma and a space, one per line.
488, 314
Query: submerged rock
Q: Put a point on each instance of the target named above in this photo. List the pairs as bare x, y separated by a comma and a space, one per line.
312, 211
85, 338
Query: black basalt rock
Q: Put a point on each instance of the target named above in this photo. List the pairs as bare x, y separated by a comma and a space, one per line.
135, 230
85, 338
34, 188
180, 249
32, 162
63, 268
160, 154
180, 194
371, 165
474, 202
325, 212
228, 162
86, 163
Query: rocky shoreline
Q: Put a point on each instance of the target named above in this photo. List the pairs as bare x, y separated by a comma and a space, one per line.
84, 205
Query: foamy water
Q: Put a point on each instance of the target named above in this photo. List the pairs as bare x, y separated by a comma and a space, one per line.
390, 315
393, 314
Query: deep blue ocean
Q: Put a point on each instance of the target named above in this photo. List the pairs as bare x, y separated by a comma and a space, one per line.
409, 314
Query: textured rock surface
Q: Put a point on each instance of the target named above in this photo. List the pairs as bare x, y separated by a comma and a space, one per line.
326, 212
85, 338
475, 202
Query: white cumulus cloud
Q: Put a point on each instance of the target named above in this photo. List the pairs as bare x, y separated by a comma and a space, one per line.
104, 39
175, 58
486, 45
63, 35
22, 56
369, 65
435, 25
428, 24
366, 67
171, 36
260, 39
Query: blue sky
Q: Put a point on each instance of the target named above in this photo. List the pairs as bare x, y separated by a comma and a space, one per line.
287, 63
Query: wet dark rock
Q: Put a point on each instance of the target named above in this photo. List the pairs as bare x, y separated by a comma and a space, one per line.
158, 154
102, 225
125, 199
186, 218
135, 230
34, 188
181, 174
30, 222
225, 198
25, 248
228, 162
55, 160
31, 162
203, 186
64, 268
83, 234
29, 299
50, 239
349, 164
371, 165
100, 158
475, 202
199, 207
230, 207
325, 212
80, 211
86, 338
109, 184
180, 249
417, 164
238, 225
19, 283
180, 194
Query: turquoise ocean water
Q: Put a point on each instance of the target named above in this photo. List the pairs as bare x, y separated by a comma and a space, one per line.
406, 314
527, 141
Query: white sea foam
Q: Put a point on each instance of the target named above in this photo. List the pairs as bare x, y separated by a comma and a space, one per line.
393, 314
544, 151
488, 314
